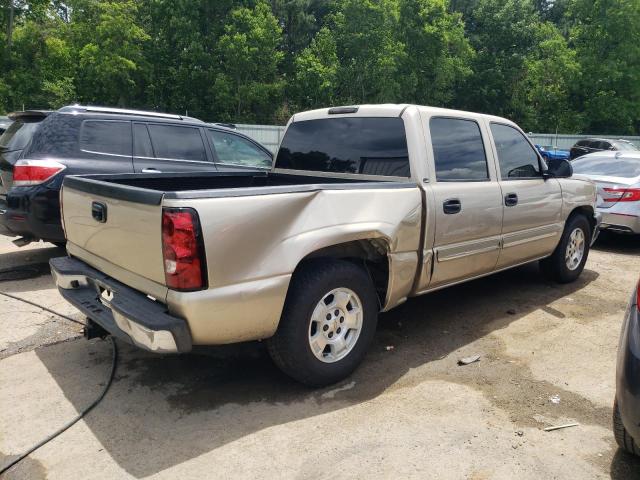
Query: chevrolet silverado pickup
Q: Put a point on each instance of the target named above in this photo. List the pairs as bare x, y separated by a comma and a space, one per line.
364, 207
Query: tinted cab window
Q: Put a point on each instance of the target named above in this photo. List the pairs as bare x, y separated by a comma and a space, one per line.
516, 156
231, 149
358, 145
458, 150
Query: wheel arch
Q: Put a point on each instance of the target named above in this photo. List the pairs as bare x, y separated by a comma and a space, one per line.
585, 210
372, 254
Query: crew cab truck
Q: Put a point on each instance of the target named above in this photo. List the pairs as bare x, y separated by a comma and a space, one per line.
364, 207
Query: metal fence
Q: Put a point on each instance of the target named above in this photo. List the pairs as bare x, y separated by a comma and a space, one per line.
267, 135
270, 136
565, 142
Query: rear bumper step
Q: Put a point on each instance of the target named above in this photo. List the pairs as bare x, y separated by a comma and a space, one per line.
122, 311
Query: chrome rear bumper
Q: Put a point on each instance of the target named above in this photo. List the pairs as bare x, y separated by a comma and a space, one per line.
120, 310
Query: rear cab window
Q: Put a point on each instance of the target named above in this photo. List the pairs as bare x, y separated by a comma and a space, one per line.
458, 150
353, 145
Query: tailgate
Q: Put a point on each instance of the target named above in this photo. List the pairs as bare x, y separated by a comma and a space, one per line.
116, 229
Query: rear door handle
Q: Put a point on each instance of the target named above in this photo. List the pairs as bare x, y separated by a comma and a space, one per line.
452, 206
511, 199
151, 170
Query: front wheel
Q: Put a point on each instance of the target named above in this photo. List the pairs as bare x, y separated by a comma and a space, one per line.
568, 259
329, 320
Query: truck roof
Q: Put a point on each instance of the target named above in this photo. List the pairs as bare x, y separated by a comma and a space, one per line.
388, 110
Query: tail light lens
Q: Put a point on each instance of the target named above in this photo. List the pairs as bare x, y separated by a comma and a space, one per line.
34, 172
182, 249
621, 194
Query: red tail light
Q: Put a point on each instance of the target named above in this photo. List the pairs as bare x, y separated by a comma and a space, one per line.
184, 266
622, 194
34, 172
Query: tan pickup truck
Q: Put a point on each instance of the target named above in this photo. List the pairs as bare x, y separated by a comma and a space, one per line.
364, 207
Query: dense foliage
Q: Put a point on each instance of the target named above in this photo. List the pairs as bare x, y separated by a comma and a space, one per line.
570, 65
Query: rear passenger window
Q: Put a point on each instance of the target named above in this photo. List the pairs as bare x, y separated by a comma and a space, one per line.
180, 143
516, 156
106, 136
141, 141
458, 150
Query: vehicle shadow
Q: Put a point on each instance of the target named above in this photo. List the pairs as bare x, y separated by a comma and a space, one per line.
16, 267
163, 410
618, 243
625, 466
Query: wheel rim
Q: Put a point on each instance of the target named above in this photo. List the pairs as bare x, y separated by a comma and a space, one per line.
335, 325
575, 249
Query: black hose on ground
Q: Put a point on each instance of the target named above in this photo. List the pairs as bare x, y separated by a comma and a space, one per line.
69, 424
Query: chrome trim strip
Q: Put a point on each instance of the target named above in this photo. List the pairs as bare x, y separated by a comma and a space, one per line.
530, 239
467, 249
521, 237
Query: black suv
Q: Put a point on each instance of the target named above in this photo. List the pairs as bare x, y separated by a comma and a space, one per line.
590, 145
41, 147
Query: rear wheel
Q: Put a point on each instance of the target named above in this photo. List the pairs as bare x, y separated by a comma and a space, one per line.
568, 259
623, 439
329, 320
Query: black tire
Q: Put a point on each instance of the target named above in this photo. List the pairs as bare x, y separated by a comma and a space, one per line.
623, 439
289, 347
555, 267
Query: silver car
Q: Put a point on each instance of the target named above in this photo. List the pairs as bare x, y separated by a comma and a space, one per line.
617, 175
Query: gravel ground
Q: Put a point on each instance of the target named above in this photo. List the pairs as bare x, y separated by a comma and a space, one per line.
547, 358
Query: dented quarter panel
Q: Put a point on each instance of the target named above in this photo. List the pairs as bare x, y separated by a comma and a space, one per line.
254, 243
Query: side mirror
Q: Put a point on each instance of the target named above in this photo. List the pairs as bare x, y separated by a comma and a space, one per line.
559, 168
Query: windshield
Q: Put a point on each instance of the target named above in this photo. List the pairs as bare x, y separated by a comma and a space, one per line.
608, 167
361, 145
17, 136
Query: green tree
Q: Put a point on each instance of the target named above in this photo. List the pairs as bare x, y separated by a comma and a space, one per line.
248, 87
552, 70
41, 67
111, 63
438, 54
503, 34
182, 56
316, 72
606, 36
369, 51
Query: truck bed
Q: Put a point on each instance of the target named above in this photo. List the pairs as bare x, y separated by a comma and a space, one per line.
151, 188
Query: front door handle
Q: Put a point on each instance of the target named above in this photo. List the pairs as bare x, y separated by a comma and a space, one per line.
151, 170
511, 199
452, 206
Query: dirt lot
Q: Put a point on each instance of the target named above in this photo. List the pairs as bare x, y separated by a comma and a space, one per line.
408, 412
